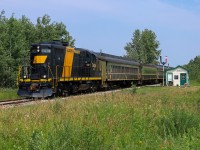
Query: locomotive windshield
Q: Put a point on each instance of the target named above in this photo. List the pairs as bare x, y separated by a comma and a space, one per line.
45, 50
42, 50
33, 51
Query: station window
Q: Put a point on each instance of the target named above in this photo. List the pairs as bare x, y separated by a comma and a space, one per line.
176, 77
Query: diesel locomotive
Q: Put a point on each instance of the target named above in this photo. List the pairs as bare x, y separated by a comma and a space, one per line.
57, 69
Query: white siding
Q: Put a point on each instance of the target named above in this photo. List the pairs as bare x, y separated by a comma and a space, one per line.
176, 72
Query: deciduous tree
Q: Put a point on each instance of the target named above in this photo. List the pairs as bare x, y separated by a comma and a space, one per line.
143, 47
16, 37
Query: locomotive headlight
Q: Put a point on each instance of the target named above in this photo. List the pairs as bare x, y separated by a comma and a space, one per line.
38, 49
25, 76
44, 76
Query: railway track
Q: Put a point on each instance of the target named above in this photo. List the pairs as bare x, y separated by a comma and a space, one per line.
14, 102
23, 101
17, 102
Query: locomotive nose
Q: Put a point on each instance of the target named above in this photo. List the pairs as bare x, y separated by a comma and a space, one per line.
39, 67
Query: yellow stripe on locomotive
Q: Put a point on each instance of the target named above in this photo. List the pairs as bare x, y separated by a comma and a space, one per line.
68, 61
39, 59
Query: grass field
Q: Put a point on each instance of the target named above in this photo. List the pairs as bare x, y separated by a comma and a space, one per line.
8, 93
194, 83
151, 118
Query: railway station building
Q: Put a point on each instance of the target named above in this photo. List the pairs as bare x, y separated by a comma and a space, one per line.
177, 77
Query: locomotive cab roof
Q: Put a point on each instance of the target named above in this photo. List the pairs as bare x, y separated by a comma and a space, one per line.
55, 42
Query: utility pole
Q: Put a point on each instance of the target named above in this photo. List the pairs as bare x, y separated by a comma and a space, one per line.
163, 63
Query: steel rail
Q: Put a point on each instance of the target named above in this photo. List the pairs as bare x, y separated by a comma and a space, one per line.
14, 101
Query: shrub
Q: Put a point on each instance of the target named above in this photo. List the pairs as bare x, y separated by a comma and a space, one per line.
133, 88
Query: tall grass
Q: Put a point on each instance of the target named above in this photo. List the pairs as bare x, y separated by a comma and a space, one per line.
150, 118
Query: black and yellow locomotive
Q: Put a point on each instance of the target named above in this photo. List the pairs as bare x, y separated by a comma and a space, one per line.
56, 68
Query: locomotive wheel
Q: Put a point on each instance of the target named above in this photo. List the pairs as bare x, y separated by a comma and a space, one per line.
93, 88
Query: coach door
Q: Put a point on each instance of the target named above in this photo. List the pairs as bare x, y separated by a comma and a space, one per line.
182, 78
102, 66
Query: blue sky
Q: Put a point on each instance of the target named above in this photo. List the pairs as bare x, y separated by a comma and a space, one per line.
108, 25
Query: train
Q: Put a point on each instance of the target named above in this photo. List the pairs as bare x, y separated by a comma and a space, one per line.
57, 69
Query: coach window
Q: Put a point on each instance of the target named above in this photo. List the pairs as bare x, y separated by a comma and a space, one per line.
123, 69
114, 69
131, 70
117, 69
136, 70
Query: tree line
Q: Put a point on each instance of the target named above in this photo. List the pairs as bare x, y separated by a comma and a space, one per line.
16, 37
194, 68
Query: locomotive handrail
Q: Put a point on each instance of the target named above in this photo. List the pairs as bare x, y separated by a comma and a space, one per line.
57, 75
26, 70
18, 76
52, 76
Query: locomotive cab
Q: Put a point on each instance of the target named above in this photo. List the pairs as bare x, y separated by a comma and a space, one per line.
40, 62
